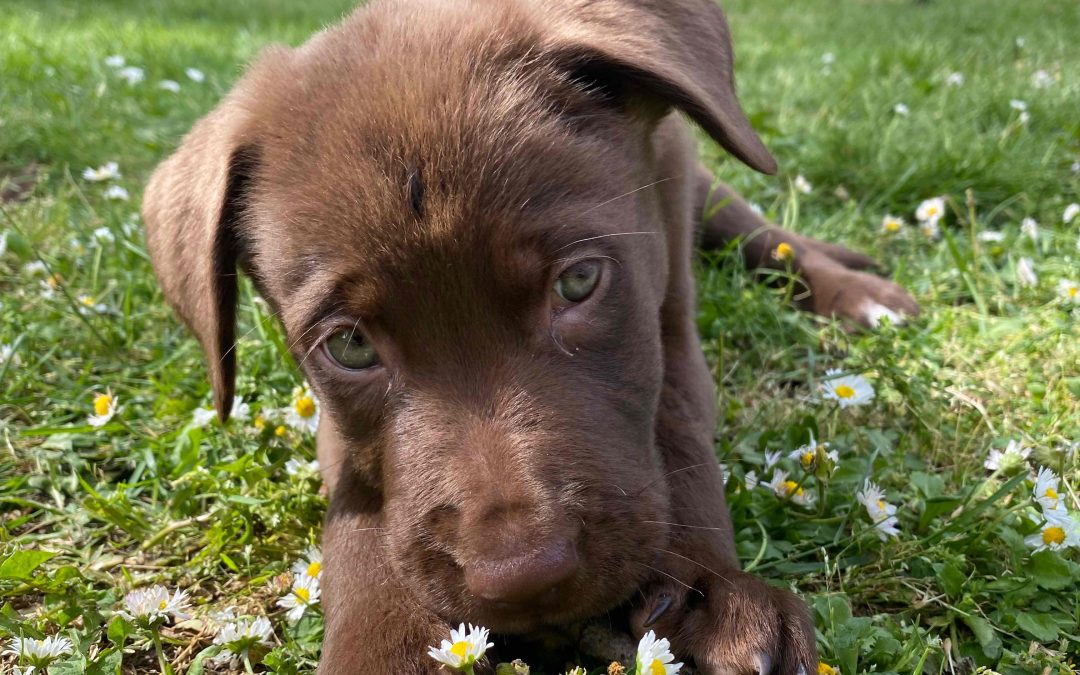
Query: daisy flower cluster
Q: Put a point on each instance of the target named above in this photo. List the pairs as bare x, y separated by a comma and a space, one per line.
1058, 529
305, 591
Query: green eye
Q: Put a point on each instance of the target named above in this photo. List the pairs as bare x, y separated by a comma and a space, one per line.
579, 281
348, 348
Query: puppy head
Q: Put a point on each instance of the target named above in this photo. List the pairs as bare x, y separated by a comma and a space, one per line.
451, 216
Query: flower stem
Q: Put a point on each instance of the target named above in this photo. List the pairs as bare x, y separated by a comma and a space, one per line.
166, 669
247, 665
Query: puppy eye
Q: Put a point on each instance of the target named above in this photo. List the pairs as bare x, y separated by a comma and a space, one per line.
578, 282
348, 348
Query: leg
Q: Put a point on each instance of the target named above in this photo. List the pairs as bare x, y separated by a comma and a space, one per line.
373, 624
727, 621
837, 284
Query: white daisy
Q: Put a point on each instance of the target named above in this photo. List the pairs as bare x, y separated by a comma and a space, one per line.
1072, 210
1018, 105
149, 606
310, 565
1058, 532
296, 467
892, 224
170, 85
34, 267
132, 74
654, 656
303, 414
931, 210
846, 390
116, 193
1041, 79
463, 649
789, 489
955, 79
105, 407
1013, 456
930, 229
239, 637
991, 236
1075, 167
803, 185
902, 109
303, 594
1069, 290
88, 304
200, 417
1047, 485
828, 58
1025, 273
194, 74
241, 412
880, 511
807, 455
751, 480
771, 458
3, 242
107, 171
39, 653
104, 234
1029, 228
115, 61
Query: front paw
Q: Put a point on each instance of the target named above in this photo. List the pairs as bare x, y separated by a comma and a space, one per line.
866, 299
732, 624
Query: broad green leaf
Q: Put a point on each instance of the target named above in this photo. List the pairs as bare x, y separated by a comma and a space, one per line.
21, 564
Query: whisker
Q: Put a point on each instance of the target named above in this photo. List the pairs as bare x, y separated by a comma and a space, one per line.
632, 192
691, 527
601, 236
675, 579
668, 475
691, 560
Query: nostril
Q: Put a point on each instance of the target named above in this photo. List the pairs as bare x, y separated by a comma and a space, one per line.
522, 577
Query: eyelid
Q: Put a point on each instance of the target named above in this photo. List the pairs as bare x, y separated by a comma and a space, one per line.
325, 328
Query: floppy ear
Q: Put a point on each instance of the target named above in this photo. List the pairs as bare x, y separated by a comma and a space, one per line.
677, 52
192, 208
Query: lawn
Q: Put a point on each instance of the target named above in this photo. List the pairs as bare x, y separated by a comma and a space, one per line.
877, 104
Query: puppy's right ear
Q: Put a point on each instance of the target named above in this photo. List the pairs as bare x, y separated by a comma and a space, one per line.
193, 208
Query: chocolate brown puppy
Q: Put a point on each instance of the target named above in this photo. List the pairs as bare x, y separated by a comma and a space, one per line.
475, 220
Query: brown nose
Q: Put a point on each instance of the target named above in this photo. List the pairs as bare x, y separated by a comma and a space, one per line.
523, 577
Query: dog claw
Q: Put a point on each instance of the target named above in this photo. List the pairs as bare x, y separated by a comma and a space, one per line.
663, 604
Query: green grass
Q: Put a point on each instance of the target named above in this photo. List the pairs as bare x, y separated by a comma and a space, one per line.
87, 514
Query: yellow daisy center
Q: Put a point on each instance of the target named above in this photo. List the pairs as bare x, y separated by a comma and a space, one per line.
808, 458
657, 668
931, 211
892, 225
1051, 493
314, 568
825, 669
260, 422
102, 403
844, 391
53, 281
279, 431
1073, 291
305, 406
792, 488
163, 604
88, 301
784, 251
302, 594
1054, 535
881, 504
460, 649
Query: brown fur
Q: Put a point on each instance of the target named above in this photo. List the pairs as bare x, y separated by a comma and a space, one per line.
425, 171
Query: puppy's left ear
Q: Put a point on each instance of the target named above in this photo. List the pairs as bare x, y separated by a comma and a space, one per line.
676, 52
